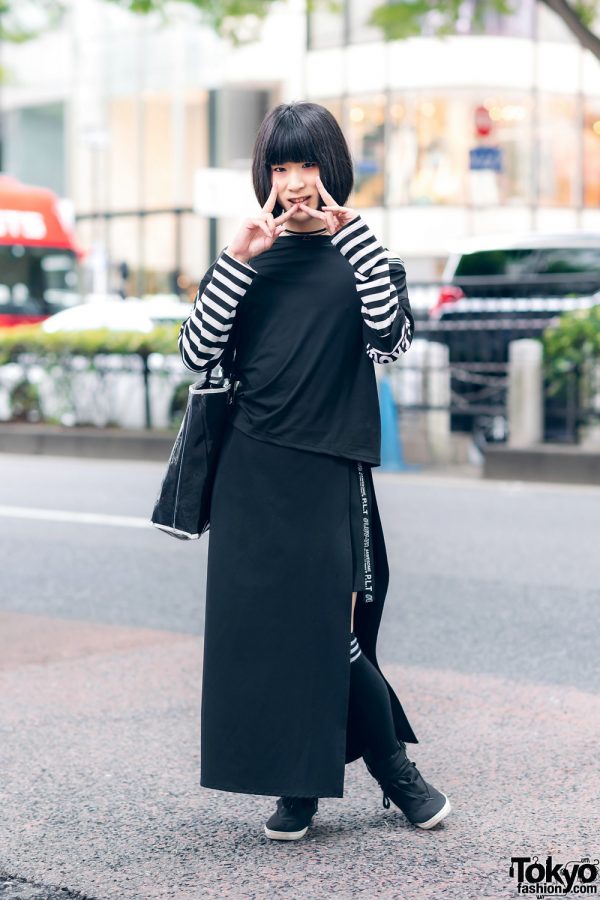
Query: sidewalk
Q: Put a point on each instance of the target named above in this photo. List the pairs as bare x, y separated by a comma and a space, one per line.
121, 443
100, 761
555, 463
89, 442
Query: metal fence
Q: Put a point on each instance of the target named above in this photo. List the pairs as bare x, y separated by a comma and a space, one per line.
131, 391
478, 398
479, 402
139, 392
127, 391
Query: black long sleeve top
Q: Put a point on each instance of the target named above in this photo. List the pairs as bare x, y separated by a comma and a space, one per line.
309, 318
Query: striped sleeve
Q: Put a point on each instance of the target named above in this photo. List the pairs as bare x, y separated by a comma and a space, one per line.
388, 322
204, 334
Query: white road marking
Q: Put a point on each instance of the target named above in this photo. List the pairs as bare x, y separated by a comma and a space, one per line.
61, 515
510, 486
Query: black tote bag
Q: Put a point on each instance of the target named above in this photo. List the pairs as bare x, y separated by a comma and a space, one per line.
182, 508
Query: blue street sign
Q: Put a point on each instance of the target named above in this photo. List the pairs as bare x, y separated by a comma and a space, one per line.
486, 158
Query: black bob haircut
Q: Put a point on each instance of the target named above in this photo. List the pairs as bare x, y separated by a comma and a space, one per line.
302, 132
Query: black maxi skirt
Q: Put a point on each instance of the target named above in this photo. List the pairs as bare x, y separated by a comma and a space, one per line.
292, 534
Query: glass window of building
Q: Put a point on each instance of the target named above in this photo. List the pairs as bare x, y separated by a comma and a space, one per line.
85, 231
429, 139
126, 241
196, 141
551, 27
327, 24
125, 185
194, 259
364, 126
158, 254
441, 128
559, 141
518, 23
334, 105
401, 151
159, 163
359, 11
240, 111
591, 154
26, 131
511, 117
427, 143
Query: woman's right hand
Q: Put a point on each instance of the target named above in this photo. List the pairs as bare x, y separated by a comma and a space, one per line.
258, 233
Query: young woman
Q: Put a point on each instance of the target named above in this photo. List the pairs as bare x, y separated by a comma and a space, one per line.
309, 301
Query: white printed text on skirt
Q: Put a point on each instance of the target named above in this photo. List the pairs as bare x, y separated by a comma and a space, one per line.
283, 560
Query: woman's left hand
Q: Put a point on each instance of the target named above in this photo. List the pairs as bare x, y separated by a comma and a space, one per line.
334, 216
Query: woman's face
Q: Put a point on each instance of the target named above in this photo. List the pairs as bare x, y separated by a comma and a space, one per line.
297, 181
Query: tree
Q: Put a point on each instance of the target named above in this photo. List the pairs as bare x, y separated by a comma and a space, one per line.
402, 20
22, 20
235, 20
238, 20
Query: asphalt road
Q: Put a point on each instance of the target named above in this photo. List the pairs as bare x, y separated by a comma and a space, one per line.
489, 637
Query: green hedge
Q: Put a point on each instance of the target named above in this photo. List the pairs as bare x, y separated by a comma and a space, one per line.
32, 339
571, 343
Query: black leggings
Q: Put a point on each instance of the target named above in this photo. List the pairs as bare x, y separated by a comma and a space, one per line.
369, 703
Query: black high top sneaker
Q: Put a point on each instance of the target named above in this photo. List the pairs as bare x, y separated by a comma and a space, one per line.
422, 804
291, 820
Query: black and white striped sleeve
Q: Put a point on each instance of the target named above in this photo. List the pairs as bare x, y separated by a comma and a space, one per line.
388, 322
204, 334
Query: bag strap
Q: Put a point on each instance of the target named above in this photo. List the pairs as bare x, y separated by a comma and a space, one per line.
227, 361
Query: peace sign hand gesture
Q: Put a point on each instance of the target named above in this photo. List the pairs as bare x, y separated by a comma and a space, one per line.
258, 233
334, 215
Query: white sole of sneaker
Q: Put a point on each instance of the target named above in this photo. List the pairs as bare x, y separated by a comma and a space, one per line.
438, 816
285, 835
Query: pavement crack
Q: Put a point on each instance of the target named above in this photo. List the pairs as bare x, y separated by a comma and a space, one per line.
13, 887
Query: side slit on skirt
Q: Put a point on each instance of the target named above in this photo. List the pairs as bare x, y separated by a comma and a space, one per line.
288, 526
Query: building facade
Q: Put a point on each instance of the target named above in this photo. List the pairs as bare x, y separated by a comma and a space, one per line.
494, 131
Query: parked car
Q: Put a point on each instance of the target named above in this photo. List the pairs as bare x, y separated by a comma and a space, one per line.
521, 267
499, 289
117, 314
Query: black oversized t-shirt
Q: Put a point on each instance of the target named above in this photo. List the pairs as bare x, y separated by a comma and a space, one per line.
309, 317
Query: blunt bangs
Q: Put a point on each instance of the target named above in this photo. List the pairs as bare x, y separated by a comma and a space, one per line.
302, 132
290, 141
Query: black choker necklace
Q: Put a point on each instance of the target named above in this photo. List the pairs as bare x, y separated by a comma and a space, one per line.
302, 233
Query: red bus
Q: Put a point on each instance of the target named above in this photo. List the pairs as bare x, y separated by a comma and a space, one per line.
39, 255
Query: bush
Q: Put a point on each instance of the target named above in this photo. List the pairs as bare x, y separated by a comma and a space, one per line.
25, 403
32, 339
572, 344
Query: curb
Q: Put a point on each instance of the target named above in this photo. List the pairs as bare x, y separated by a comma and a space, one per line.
87, 442
562, 463
558, 463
